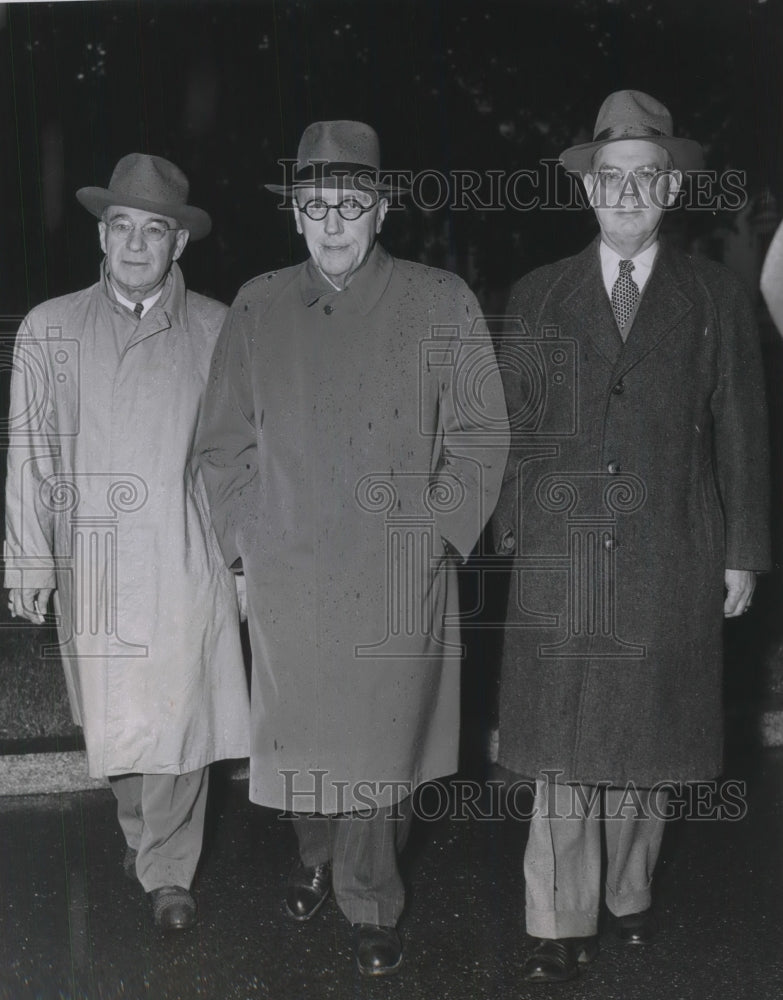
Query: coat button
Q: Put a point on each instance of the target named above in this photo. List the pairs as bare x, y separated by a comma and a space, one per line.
619, 389
328, 309
613, 468
610, 544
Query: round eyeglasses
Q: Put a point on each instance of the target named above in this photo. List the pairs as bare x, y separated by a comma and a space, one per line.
152, 232
349, 209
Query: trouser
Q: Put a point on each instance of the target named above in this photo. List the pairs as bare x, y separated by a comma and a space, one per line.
162, 817
363, 851
563, 856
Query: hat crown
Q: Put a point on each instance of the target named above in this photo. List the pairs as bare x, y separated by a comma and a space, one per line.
633, 114
341, 141
140, 176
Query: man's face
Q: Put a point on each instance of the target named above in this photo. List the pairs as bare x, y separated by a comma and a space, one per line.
631, 184
339, 246
138, 264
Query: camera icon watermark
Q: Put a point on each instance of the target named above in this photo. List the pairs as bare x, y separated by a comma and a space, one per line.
41, 369
458, 374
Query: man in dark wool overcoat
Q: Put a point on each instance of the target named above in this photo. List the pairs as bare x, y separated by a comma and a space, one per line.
353, 445
635, 507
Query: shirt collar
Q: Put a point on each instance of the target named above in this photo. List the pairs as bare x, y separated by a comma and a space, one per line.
146, 303
610, 264
172, 296
366, 286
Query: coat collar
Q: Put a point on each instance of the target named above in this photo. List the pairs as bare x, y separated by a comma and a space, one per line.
364, 290
663, 305
169, 310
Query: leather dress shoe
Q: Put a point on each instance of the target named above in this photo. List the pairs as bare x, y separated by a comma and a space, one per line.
173, 908
377, 949
635, 928
556, 960
129, 863
307, 890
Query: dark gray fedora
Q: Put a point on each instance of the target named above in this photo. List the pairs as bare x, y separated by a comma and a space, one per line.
337, 154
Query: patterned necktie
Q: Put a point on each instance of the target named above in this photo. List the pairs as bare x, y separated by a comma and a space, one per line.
139, 308
625, 294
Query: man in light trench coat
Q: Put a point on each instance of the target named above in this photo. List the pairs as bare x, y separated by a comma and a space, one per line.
105, 506
353, 442
635, 507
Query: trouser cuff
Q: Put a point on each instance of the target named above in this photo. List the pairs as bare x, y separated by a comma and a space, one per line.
560, 924
629, 902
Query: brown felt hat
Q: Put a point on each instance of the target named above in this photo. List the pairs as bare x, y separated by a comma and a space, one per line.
151, 184
631, 114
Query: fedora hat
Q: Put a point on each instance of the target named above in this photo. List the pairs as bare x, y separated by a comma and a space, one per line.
337, 154
151, 184
630, 114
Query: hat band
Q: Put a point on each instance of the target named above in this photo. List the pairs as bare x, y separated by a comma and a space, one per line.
317, 171
634, 131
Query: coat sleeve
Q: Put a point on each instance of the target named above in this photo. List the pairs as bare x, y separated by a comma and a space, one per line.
226, 446
506, 517
474, 430
33, 456
740, 421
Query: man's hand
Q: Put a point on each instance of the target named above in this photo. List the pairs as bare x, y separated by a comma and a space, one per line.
740, 584
239, 580
29, 603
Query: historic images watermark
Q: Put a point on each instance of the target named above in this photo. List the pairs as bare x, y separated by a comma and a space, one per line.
546, 188
492, 801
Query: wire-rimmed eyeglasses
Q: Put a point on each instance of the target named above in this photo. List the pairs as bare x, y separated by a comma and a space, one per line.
151, 231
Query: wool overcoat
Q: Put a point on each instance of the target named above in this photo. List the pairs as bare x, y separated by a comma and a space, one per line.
638, 473
351, 440
104, 503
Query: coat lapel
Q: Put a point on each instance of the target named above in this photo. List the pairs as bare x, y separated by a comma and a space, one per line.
663, 306
170, 309
589, 306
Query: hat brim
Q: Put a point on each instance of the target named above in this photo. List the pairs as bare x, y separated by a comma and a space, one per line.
380, 187
686, 154
195, 220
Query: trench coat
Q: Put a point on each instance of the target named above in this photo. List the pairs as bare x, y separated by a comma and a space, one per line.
104, 503
638, 473
353, 444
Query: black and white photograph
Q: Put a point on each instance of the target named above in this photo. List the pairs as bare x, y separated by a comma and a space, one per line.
391, 413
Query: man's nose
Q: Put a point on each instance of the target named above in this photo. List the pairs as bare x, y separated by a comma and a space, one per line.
333, 223
136, 239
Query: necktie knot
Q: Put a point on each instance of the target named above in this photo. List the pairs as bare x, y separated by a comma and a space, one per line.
138, 309
625, 295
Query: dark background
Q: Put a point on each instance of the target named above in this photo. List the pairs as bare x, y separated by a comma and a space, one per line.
225, 87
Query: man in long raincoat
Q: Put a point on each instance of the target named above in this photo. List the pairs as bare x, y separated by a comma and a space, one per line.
353, 442
635, 506
105, 506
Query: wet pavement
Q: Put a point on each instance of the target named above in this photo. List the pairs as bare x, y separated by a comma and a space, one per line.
72, 926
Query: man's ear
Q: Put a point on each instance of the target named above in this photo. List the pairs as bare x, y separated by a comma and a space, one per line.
673, 186
102, 234
383, 208
181, 241
590, 182
297, 219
